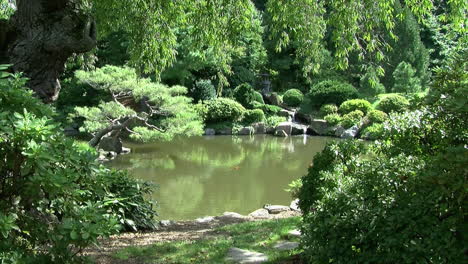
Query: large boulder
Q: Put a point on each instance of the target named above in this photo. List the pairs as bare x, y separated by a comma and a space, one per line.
318, 127
224, 131
111, 144
286, 127
210, 132
298, 129
274, 99
286, 113
350, 132
246, 131
260, 128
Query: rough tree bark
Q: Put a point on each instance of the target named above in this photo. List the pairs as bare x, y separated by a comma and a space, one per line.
41, 36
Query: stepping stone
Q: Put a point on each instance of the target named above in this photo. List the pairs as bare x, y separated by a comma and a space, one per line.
205, 220
276, 209
242, 256
294, 233
260, 213
285, 245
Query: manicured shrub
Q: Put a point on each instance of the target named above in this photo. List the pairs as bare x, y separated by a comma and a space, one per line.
327, 109
355, 104
258, 98
247, 96
404, 79
333, 119
253, 116
293, 97
203, 90
273, 121
376, 116
393, 103
331, 92
223, 109
267, 109
352, 118
373, 132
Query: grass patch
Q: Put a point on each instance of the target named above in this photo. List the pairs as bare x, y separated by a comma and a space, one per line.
256, 236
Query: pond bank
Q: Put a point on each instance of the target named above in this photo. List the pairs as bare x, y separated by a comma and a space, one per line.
201, 229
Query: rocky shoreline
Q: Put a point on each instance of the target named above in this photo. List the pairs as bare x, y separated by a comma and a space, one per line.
187, 230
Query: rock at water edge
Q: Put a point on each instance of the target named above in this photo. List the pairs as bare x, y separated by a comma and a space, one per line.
260, 213
276, 209
210, 132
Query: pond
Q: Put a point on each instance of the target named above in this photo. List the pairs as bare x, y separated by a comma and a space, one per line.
206, 176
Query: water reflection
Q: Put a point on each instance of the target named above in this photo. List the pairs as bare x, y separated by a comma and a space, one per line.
209, 175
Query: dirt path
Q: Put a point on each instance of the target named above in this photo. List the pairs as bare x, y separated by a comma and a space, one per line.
176, 231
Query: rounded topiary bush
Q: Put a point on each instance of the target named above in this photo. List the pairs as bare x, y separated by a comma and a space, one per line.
253, 116
268, 109
247, 96
331, 92
376, 116
393, 103
223, 109
355, 104
333, 119
293, 97
373, 132
352, 118
203, 90
327, 109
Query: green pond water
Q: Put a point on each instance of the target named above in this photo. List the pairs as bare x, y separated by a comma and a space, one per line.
206, 176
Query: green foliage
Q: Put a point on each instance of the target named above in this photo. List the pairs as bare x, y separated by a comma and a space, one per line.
373, 132
56, 199
165, 114
247, 96
268, 109
203, 90
404, 79
328, 109
401, 200
294, 188
331, 92
393, 103
253, 116
376, 116
352, 118
355, 104
273, 121
370, 86
223, 109
333, 119
6, 9
293, 97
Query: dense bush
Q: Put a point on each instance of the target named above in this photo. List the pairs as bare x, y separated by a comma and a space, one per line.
355, 104
373, 132
293, 97
273, 121
55, 199
327, 109
247, 96
268, 109
223, 109
333, 119
393, 103
253, 116
404, 79
370, 86
203, 90
331, 92
402, 200
376, 116
352, 118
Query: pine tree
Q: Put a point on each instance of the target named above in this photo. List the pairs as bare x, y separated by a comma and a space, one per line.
148, 111
404, 79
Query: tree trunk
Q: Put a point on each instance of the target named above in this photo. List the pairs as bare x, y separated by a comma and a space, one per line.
42, 35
